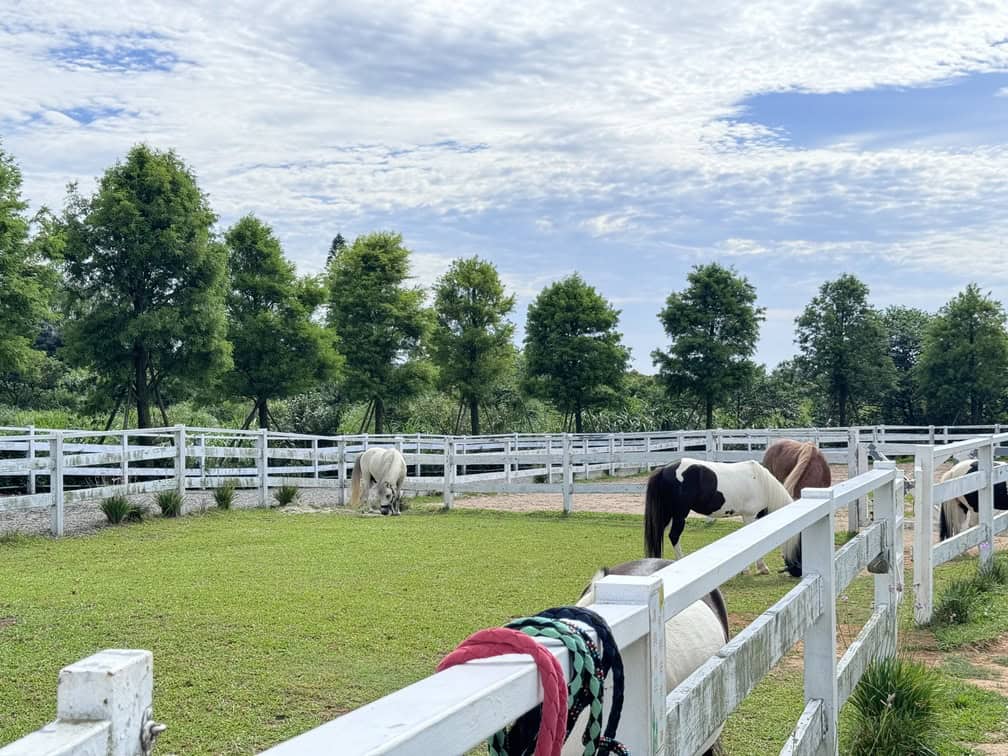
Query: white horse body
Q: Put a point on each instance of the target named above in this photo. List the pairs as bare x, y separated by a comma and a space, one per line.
691, 638
749, 489
381, 468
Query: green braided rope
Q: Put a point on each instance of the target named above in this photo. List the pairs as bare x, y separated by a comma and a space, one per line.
586, 690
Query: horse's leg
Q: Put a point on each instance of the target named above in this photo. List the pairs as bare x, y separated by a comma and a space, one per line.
761, 568
675, 533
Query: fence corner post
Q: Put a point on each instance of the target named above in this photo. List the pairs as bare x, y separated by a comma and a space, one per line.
116, 686
644, 727
262, 466
820, 638
923, 546
56, 482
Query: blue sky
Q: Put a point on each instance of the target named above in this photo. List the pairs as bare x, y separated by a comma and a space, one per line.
794, 141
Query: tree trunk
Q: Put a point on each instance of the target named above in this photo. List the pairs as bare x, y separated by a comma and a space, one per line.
142, 389
263, 414
709, 401
379, 416
843, 399
474, 417
578, 422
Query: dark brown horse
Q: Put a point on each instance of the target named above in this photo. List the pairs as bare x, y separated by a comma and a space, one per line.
797, 465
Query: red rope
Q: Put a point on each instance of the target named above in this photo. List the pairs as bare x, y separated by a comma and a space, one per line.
498, 641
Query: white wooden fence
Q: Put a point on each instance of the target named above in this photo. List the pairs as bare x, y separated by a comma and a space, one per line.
77, 465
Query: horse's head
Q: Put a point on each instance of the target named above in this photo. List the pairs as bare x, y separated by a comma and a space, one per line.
386, 498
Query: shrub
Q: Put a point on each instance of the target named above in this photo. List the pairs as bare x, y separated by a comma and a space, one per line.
895, 709
116, 508
170, 503
224, 493
955, 605
284, 495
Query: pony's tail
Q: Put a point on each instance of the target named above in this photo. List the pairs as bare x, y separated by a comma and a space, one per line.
655, 518
355, 481
791, 551
801, 465
944, 526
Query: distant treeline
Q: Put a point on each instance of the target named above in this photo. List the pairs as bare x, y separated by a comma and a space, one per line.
128, 308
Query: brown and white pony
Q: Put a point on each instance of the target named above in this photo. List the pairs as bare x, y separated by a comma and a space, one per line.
691, 637
797, 465
963, 512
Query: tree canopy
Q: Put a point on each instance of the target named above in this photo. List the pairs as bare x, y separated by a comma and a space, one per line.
964, 361
714, 326
905, 327
573, 353
379, 321
25, 279
145, 281
471, 339
844, 348
278, 349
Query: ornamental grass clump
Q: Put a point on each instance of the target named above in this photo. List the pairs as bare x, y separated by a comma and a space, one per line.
170, 503
116, 508
895, 709
224, 494
956, 603
285, 495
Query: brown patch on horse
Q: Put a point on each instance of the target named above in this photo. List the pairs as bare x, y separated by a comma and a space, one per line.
797, 466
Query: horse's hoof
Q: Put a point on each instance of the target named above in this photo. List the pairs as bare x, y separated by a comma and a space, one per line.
763, 571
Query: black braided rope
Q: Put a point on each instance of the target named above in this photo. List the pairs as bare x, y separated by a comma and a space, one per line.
611, 660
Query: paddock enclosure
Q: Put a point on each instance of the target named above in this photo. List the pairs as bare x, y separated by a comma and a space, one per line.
453, 711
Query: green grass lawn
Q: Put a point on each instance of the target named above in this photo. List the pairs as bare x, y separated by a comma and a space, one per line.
263, 624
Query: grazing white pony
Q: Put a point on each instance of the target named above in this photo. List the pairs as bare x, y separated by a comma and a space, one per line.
381, 468
691, 638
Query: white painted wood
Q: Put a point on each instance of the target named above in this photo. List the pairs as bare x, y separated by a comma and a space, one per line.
1000, 522
820, 637
875, 641
23, 466
32, 460
985, 501
180, 460
568, 475
889, 514
862, 502
341, 455
702, 702
612, 455
923, 554
100, 492
63, 739
26, 501
855, 555
262, 466
56, 482
807, 737
960, 486
958, 544
449, 474
201, 461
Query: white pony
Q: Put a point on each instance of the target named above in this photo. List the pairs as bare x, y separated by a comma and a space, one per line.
962, 512
691, 638
384, 468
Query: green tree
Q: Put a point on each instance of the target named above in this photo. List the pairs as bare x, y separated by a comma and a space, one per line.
714, 326
338, 245
471, 340
905, 327
379, 321
963, 366
145, 281
844, 348
573, 353
24, 278
279, 350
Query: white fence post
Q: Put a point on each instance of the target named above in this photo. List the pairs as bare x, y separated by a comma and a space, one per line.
586, 447
644, 724
124, 463
889, 510
507, 461
417, 471
31, 458
853, 449
568, 475
549, 463
862, 503
103, 703
341, 470
985, 500
56, 482
710, 451
820, 637
923, 550
180, 459
612, 455
202, 461
314, 458
449, 473
262, 466
647, 452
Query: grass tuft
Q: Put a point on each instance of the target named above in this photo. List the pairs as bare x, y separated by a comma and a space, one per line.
285, 495
955, 606
895, 709
116, 508
170, 503
224, 493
